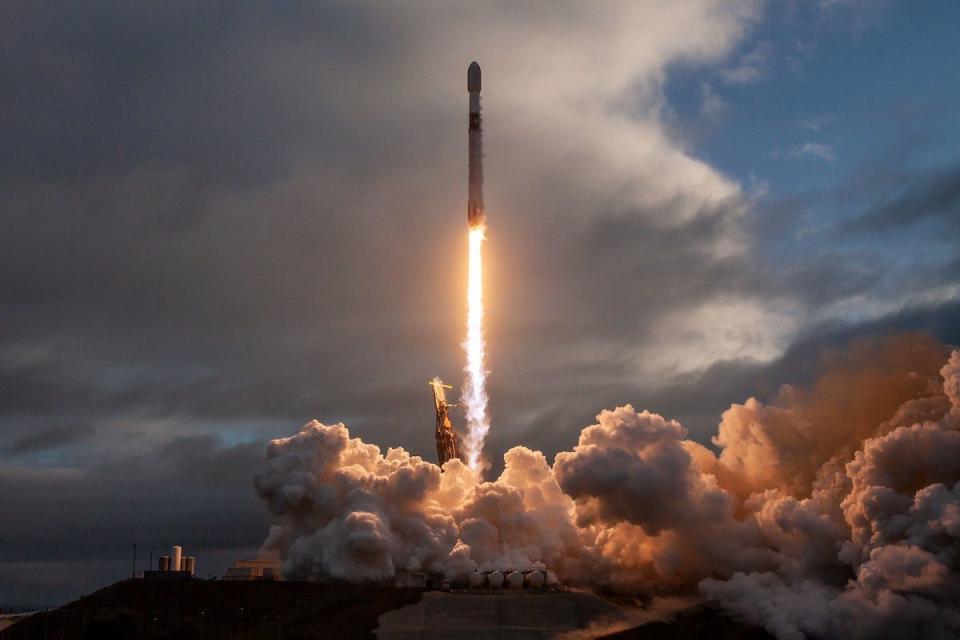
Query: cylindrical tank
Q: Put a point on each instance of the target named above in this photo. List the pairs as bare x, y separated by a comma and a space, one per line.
188, 564
175, 554
476, 580
535, 579
164, 563
552, 579
495, 579
514, 580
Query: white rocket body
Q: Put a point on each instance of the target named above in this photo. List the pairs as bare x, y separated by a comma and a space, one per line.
475, 151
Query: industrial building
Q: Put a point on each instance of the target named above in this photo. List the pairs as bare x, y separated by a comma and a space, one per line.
523, 578
255, 569
173, 567
411, 580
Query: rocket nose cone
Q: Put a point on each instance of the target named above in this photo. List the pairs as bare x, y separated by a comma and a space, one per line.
473, 77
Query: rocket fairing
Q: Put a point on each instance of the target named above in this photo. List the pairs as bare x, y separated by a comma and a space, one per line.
475, 152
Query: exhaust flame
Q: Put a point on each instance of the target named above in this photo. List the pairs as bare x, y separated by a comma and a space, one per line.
475, 387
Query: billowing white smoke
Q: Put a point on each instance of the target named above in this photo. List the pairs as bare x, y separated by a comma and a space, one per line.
809, 522
347, 512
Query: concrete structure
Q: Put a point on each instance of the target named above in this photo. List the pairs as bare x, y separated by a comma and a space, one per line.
532, 615
522, 578
174, 566
411, 580
535, 579
255, 569
514, 580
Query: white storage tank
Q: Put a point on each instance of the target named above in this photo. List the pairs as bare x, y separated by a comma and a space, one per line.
164, 563
551, 578
514, 580
535, 579
476, 580
495, 579
175, 554
188, 564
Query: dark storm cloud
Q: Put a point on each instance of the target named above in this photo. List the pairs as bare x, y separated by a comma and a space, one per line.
190, 488
636, 256
112, 85
66, 529
47, 438
934, 194
192, 491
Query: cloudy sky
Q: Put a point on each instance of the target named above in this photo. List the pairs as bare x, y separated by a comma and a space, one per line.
219, 223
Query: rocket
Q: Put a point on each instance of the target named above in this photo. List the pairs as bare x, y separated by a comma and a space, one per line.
475, 152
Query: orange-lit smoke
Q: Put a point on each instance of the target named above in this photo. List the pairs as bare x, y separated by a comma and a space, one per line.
475, 387
835, 507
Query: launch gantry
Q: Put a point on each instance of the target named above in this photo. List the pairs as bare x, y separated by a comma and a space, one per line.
448, 445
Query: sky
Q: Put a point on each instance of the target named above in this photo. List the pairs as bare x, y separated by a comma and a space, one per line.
220, 222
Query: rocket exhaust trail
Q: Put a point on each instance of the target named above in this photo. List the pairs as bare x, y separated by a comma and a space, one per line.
475, 386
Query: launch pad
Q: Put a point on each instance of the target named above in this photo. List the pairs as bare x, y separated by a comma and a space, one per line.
503, 614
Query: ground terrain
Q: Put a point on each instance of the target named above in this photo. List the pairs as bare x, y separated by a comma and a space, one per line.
215, 610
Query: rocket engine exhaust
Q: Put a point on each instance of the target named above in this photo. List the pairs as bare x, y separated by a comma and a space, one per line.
474, 397
475, 386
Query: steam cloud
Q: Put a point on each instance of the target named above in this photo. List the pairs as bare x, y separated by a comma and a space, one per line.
832, 512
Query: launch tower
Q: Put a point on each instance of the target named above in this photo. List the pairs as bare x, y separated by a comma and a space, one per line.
448, 445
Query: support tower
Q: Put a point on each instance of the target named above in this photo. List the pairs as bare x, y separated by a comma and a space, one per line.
448, 445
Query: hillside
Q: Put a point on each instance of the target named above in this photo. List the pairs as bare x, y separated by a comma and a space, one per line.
210, 610
215, 610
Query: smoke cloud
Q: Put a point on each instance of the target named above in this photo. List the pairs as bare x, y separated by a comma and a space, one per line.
833, 511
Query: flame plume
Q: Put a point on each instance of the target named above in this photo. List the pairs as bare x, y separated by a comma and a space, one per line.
475, 387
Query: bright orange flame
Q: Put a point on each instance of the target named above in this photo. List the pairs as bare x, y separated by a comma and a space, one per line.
475, 388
